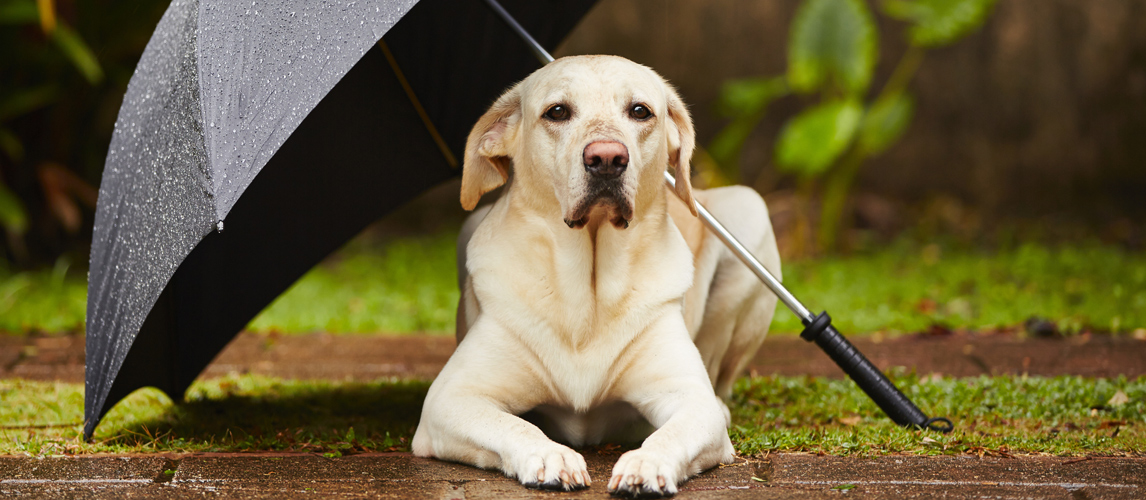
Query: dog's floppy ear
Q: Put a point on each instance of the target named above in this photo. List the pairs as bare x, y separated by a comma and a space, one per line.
681, 141
487, 159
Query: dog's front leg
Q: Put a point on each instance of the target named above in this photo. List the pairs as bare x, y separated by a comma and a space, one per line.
470, 416
670, 388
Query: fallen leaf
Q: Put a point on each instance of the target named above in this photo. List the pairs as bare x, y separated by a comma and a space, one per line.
851, 420
927, 440
926, 306
1118, 399
754, 478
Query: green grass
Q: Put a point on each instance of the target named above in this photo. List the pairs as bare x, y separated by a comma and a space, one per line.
1064, 415
233, 413
907, 288
49, 300
409, 286
993, 415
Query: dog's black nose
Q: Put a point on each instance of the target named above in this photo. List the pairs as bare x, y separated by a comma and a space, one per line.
606, 159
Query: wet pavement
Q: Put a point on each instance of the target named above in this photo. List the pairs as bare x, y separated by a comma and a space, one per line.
367, 357
399, 475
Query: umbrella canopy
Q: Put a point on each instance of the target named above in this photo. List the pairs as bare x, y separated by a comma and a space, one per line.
257, 137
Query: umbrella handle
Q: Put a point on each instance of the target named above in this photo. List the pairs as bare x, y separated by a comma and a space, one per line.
865, 374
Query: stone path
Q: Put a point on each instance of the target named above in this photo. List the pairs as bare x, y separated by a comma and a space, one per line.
399, 475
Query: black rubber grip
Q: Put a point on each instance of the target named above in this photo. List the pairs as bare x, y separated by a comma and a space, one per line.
893, 402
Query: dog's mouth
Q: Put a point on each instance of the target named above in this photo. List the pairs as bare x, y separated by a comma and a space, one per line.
604, 199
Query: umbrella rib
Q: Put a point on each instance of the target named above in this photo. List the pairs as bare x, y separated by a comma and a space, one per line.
450, 158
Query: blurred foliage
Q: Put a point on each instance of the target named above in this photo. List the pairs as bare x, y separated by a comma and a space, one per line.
832, 44
833, 48
998, 416
51, 300
62, 78
408, 286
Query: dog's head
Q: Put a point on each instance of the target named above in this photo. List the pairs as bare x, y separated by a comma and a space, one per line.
597, 131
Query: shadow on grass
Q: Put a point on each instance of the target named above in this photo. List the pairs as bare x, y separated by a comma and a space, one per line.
250, 413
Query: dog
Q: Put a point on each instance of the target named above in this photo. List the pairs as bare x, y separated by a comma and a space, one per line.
595, 307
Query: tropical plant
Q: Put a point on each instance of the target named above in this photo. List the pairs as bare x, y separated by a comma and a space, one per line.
833, 47
57, 107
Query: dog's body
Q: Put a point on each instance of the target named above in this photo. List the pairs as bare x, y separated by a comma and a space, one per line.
593, 301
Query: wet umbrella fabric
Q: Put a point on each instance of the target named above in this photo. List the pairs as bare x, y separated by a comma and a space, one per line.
254, 140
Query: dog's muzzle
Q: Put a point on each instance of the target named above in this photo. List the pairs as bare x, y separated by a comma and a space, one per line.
605, 162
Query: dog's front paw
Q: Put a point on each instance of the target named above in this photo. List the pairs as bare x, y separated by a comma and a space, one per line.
554, 467
640, 474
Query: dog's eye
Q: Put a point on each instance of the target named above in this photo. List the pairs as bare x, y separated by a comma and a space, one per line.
640, 112
557, 113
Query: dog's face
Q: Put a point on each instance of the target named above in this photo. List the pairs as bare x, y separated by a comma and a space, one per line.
596, 131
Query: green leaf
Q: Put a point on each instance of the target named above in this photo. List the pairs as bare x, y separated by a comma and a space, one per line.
885, 122
811, 141
19, 12
11, 145
745, 101
939, 22
24, 100
832, 42
81, 56
749, 96
12, 216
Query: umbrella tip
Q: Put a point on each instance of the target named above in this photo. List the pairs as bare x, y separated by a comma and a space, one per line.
219, 227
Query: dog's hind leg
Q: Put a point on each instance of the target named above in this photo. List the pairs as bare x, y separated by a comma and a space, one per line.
738, 309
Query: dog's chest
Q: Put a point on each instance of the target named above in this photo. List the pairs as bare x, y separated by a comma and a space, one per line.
580, 381
577, 305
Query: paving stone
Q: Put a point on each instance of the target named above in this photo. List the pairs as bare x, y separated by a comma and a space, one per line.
96, 491
378, 467
109, 470
322, 488
926, 477
399, 475
86, 477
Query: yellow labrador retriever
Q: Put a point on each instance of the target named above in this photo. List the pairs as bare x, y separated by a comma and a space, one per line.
594, 305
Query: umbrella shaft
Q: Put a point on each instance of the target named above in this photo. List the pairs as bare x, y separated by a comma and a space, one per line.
748, 259
539, 51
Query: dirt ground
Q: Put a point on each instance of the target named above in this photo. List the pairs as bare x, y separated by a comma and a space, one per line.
371, 356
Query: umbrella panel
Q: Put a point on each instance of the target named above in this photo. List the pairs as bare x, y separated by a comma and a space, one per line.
357, 156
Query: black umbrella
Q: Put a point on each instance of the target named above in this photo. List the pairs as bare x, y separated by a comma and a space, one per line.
254, 140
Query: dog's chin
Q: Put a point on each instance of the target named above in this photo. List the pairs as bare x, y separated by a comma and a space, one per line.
602, 208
